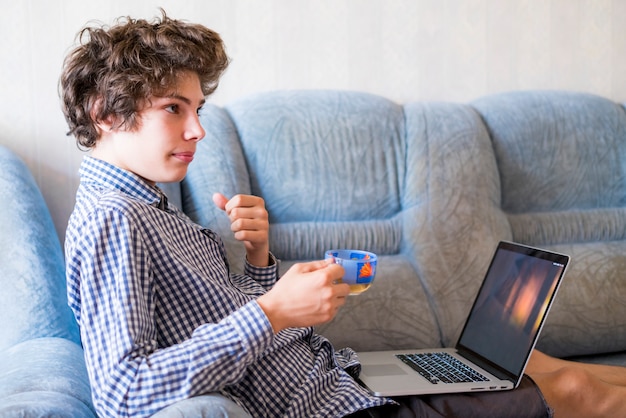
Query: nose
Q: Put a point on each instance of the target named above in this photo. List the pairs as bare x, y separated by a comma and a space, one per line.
195, 131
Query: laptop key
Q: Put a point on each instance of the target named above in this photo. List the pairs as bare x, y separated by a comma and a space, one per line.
441, 367
425, 374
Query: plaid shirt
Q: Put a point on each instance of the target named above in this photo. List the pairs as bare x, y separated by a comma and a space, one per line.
162, 319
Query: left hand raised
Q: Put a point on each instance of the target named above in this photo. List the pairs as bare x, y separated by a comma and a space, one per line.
249, 222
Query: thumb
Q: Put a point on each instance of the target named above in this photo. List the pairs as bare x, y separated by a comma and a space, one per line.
312, 266
220, 200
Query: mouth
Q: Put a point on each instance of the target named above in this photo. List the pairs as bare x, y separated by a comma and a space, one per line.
185, 157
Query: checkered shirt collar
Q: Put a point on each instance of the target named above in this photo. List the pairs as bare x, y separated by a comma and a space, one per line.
102, 173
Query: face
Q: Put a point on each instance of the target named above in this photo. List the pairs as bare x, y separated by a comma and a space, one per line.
163, 144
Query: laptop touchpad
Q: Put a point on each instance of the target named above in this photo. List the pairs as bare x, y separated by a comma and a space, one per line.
382, 370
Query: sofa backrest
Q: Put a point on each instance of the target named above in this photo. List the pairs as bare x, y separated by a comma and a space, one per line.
561, 158
562, 161
330, 167
453, 202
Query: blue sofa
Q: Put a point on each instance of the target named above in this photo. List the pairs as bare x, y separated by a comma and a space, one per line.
431, 187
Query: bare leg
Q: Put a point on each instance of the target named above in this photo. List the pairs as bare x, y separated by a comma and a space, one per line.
543, 363
579, 389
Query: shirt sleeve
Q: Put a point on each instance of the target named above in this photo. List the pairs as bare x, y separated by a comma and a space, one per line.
265, 276
131, 375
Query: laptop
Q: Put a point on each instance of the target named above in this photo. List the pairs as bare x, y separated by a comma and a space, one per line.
497, 339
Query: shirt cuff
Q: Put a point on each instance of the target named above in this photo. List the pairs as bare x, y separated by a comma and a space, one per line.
253, 327
265, 276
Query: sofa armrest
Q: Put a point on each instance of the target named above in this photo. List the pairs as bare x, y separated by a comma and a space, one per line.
33, 301
206, 406
44, 377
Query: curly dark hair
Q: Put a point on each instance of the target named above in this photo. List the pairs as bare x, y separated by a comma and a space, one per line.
114, 70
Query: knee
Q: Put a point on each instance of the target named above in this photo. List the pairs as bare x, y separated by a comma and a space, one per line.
571, 382
575, 387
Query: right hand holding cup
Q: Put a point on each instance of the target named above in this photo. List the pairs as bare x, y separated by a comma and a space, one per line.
307, 294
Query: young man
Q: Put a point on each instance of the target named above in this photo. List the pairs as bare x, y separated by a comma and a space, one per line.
161, 317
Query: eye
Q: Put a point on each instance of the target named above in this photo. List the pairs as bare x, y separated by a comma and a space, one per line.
199, 110
173, 108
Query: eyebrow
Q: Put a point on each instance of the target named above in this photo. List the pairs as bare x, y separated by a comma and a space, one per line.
184, 99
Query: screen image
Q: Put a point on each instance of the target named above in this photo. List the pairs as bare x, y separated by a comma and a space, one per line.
510, 308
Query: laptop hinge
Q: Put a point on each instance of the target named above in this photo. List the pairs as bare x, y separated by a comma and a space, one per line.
491, 367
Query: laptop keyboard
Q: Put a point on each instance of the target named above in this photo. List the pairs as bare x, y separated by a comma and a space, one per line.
441, 368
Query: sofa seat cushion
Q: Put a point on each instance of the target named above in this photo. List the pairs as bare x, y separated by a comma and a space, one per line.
395, 313
589, 314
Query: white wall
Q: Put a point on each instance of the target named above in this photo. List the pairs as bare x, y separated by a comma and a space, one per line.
406, 50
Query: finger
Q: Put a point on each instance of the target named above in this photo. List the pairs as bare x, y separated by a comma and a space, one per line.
220, 200
312, 266
245, 201
342, 291
254, 217
255, 226
253, 237
236, 201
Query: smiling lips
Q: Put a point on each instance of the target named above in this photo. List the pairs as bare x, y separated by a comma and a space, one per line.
186, 157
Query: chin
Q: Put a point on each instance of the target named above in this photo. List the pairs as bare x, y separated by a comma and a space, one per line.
171, 177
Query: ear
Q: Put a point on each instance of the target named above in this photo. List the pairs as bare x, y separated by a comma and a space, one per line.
102, 125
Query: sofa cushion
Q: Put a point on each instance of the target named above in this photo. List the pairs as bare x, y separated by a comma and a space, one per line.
562, 164
395, 313
310, 240
323, 156
557, 150
589, 314
452, 207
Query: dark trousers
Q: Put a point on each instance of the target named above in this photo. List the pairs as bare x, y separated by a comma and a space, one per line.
526, 401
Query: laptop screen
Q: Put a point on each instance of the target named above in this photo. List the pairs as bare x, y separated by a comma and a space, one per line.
511, 306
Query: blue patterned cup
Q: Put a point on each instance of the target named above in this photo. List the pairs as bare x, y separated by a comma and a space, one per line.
359, 266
